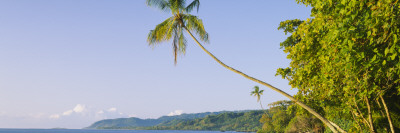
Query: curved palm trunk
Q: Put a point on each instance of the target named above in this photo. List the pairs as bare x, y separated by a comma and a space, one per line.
325, 121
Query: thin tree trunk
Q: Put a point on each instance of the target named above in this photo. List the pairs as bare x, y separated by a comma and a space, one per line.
261, 106
387, 114
325, 121
383, 114
360, 113
352, 114
370, 116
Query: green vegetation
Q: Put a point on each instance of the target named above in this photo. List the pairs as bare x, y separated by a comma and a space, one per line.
133, 122
181, 20
218, 121
345, 62
229, 121
282, 118
122, 123
173, 27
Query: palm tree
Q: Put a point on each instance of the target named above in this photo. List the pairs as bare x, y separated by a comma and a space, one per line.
257, 93
182, 20
173, 26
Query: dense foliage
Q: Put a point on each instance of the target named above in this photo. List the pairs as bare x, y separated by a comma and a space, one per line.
223, 120
345, 62
133, 122
229, 121
281, 118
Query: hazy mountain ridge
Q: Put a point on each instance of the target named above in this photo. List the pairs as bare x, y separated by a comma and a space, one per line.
227, 121
134, 123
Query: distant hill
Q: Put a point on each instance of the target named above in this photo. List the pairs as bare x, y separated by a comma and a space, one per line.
130, 123
124, 123
225, 120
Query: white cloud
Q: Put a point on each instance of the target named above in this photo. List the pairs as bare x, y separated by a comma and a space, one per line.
79, 108
100, 112
110, 113
36, 115
77, 116
176, 112
132, 115
113, 109
54, 116
68, 112
84, 115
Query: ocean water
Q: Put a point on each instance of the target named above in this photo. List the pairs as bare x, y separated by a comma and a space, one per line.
100, 131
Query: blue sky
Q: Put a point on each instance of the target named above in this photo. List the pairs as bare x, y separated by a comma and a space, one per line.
68, 63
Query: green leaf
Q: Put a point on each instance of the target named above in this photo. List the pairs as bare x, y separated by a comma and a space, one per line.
384, 62
343, 2
393, 56
386, 51
350, 44
373, 58
392, 49
375, 50
371, 40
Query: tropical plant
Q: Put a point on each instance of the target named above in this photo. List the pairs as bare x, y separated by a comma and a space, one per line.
173, 27
345, 60
181, 19
278, 116
257, 93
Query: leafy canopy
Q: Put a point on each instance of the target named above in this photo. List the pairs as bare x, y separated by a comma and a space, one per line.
345, 58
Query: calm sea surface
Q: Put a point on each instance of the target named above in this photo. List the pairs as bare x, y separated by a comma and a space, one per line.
99, 131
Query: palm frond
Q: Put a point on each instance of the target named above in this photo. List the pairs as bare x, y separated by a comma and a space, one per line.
177, 5
161, 32
161, 4
173, 26
178, 43
191, 6
182, 43
256, 89
195, 24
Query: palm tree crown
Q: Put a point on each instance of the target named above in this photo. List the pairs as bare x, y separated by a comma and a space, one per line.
257, 93
173, 27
